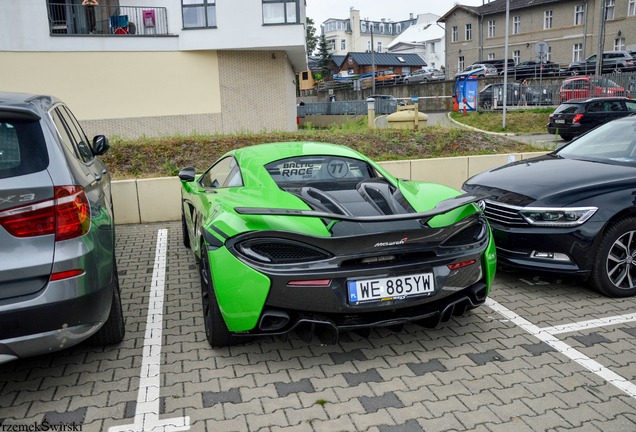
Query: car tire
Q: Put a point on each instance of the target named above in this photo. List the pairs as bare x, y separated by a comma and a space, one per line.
406, 81
614, 268
575, 72
184, 229
618, 69
487, 105
216, 331
567, 137
424, 80
114, 328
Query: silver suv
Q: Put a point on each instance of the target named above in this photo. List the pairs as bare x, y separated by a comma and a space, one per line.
58, 275
613, 61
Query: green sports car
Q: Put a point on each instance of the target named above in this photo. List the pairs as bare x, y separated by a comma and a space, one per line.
317, 238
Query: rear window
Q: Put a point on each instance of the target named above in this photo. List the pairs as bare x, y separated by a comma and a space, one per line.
567, 108
22, 146
301, 170
603, 82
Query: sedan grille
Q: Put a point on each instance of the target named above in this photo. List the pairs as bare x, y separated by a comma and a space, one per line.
503, 214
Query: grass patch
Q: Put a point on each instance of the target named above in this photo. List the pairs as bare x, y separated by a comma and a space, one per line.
321, 402
517, 121
165, 156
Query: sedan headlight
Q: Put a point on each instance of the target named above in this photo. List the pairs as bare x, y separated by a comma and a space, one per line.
557, 217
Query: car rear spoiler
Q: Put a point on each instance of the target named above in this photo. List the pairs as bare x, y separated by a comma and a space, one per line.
441, 208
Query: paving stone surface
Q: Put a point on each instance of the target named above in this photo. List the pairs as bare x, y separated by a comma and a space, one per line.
478, 372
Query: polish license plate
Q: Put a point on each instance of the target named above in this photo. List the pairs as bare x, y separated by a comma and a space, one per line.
559, 121
390, 288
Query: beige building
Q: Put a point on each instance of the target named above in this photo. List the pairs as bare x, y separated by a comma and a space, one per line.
159, 67
570, 27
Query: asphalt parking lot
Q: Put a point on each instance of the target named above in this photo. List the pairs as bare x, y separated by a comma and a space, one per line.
543, 354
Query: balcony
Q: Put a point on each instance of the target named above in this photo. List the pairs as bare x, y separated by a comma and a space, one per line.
71, 19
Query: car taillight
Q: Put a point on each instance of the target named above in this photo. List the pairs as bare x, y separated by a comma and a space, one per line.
67, 216
577, 118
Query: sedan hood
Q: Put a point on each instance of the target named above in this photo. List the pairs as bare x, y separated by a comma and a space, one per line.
549, 179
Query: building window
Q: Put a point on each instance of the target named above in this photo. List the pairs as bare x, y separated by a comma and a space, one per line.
368, 46
491, 56
460, 63
631, 9
619, 44
516, 25
577, 52
331, 45
363, 26
469, 32
281, 12
343, 44
491, 28
379, 46
516, 56
199, 13
579, 14
547, 20
381, 28
398, 27
549, 55
406, 69
609, 9
455, 36
432, 47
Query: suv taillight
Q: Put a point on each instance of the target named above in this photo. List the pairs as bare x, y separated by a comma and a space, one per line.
577, 118
67, 216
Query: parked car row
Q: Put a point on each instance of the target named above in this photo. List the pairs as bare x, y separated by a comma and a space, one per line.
516, 93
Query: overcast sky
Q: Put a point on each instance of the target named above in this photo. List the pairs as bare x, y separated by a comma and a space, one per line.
397, 10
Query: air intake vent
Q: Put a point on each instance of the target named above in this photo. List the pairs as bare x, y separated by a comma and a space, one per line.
379, 200
322, 199
504, 214
468, 235
280, 252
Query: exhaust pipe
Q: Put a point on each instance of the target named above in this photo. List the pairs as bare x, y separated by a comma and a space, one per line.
273, 320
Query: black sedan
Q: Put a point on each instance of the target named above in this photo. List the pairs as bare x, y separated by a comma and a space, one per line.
495, 92
532, 69
572, 211
578, 116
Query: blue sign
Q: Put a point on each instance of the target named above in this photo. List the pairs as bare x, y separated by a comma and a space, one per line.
353, 292
415, 99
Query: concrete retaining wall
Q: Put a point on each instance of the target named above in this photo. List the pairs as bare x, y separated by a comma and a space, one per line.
154, 200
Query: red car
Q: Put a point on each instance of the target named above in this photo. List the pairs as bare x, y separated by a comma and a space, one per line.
586, 87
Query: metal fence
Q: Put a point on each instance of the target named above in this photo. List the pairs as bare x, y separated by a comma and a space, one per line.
74, 19
346, 108
550, 93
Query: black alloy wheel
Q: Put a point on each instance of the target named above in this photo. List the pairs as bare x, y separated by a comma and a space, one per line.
614, 271
216, 331
487, 105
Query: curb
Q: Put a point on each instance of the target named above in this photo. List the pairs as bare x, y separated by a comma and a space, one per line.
479, 130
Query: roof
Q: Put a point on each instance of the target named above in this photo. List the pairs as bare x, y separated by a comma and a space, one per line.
496, 6
594, 99
387, 59
338, 59
420, 33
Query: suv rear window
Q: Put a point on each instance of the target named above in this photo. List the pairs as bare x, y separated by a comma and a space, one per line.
22, 146
567, 108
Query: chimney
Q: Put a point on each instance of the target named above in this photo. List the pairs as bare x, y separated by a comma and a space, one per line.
411, 15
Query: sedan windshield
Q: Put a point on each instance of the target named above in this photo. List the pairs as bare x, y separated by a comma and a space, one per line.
613, 142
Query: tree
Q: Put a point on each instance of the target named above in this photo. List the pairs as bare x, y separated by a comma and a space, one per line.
324, 58
312, 39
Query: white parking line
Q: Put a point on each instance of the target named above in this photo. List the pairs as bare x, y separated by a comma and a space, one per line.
595, 323
547, 337
147, 410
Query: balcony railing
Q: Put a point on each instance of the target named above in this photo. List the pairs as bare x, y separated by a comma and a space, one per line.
71, 19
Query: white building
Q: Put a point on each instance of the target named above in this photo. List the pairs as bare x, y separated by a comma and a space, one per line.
156, 67
426, 38
354, 34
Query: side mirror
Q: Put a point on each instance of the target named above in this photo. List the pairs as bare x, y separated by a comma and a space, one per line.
187, 174
100, 145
